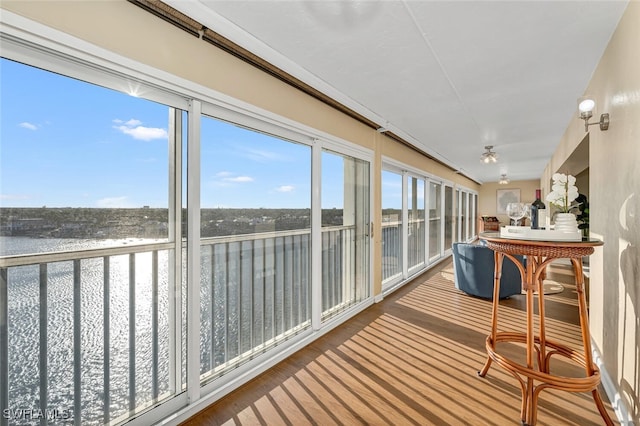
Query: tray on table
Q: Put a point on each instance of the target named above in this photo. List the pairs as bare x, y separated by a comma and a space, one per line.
526, 233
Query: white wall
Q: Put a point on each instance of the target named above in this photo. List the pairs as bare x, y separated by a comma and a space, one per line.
614, 195
487, 194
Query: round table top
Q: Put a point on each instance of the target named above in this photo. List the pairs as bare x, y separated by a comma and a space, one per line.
495, 237
554, 249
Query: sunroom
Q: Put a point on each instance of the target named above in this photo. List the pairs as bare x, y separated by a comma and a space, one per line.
179, 216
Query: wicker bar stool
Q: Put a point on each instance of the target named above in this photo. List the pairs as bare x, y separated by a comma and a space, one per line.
535, 376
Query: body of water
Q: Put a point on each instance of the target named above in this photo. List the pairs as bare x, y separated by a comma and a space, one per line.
24, 330
253, 292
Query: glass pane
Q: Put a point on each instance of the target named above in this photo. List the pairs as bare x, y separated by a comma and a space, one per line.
416, 226
474, 215
448, 217
345, 232
84, 167
101, 179
391, 225
435, 217
256, 243
463, 216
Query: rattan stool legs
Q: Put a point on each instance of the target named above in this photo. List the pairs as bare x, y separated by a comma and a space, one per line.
535, 376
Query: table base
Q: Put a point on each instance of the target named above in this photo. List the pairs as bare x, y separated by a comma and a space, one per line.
535, 376
528, 377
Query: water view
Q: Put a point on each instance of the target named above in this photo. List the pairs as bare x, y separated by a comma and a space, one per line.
24, 327
255, 291
109, 184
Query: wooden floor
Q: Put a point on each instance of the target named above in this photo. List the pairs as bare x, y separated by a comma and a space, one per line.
412, 359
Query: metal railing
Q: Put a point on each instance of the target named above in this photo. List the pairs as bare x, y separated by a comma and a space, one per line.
68, 286
392, 234
416, 243
255, 293
391, 249
116, 307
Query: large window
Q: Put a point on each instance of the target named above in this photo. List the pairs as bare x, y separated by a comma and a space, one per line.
416, 224
68, 174
94, 186
448, 217
435, 219
256, 243
345, 232
467, 207
392, 229
422, 204
189, 247
464, 214
474, 215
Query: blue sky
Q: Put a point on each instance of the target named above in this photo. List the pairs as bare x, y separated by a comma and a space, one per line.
66, 143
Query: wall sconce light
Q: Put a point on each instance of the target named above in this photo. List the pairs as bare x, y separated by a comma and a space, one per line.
504, 180
489, 156
586, 106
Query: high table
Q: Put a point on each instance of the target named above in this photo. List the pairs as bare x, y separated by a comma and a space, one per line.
534, 377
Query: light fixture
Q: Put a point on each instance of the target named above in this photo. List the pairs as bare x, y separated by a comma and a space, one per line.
586, 106
504, 180
489, 156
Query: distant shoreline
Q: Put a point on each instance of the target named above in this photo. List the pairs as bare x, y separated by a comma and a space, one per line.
148, 222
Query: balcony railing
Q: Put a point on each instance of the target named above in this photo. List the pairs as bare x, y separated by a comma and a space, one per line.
106, 325
77, 310
391, 249
416, 244
255, 293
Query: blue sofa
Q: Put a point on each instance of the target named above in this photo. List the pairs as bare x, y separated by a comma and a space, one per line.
473, 267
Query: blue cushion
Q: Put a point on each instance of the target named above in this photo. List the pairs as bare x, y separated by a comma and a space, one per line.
473, 268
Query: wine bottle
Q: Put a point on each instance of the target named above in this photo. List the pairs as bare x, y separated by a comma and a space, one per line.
538, 213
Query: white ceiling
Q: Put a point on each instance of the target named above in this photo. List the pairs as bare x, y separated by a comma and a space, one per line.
448, 76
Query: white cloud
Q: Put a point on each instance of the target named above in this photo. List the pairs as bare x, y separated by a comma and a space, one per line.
133, 122
144, 133
238, 179
14, 197
114, 202
26, 125
261, 156
228, 179
134, 129
285, 188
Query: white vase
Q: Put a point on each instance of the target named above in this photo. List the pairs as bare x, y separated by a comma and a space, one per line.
566, 222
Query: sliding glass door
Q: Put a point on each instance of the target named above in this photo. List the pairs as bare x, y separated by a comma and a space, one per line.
417, 222
435, 220
416, 230
448, 217
345, 232
467, 207
392, 229
255, 247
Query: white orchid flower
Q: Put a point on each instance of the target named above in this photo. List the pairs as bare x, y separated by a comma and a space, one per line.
563, 191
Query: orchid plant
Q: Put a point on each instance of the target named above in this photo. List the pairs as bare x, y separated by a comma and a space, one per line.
563, 192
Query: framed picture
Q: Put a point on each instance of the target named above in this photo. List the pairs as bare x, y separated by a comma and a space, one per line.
504, 197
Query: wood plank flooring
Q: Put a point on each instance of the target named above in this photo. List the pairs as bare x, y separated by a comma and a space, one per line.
412, 360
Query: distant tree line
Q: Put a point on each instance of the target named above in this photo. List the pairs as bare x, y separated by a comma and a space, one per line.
148, 222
